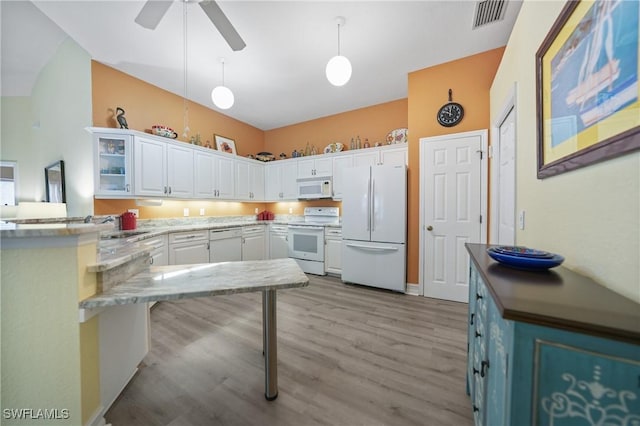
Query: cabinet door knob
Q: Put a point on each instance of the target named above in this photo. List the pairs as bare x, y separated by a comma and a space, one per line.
429, 228
472, 315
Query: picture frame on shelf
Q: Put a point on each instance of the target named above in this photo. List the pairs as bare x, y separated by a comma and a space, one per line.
225, 144
587, 93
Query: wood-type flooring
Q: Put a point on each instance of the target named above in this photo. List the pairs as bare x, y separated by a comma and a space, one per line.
347, 355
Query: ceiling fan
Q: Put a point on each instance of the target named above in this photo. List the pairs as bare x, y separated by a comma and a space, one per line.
153, 11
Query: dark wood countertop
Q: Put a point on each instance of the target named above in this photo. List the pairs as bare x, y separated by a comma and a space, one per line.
558, 298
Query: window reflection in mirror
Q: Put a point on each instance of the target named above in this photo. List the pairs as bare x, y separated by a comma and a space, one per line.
8, 183
54, 179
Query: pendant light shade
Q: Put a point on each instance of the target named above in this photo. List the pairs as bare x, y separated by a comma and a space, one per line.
338, 68
222, 96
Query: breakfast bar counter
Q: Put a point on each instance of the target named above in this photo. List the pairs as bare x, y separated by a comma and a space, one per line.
175, 282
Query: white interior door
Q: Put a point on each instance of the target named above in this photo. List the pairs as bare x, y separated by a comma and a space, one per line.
506, 215
452, 211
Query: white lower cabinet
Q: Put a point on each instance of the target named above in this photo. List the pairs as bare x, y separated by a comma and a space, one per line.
186, 248
160, 251
333, 250
253, 243
124, 342
278, 245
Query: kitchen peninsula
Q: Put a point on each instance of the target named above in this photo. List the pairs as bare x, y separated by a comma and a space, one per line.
46, 278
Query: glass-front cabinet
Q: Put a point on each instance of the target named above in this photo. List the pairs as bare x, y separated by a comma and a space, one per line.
113, 165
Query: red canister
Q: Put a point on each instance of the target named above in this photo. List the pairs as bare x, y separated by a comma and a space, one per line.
127, 221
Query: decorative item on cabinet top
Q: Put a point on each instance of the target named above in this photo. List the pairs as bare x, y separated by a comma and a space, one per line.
397, 136
265, 156
160, 130
225, 144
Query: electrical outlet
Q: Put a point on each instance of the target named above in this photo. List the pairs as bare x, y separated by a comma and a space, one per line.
256, 210
521, 219
186, 212
290, 210
135, 212
201, 212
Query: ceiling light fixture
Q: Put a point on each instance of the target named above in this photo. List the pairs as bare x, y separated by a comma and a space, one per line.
222, 96
338, 68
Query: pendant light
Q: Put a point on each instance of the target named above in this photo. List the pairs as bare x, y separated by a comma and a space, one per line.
222, 96
338, 68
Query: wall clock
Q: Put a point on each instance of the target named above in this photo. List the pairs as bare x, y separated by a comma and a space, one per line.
450, 113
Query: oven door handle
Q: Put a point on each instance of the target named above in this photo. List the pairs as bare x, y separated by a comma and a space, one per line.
315, 228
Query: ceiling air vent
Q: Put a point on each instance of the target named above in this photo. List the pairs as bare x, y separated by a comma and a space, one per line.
489, 11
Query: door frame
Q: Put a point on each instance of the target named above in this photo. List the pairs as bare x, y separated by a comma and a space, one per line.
484, 187
494, 154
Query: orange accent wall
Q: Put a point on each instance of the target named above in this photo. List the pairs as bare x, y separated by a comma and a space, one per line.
470, 78
146, 105
371, 123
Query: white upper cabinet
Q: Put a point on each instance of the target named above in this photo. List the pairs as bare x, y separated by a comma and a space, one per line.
214, 175
112, 166
162, 169
249, 180
280, 180
315, 167
150, 168
180, 171
390, 155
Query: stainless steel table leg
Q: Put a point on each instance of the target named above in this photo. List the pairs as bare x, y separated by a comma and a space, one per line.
270, 344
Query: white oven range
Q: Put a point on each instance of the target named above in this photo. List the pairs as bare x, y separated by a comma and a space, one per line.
306, 238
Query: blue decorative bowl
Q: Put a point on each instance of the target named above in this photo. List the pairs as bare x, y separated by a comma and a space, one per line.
539, 261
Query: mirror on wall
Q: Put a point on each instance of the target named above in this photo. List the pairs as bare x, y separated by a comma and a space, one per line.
8, 183
54, 182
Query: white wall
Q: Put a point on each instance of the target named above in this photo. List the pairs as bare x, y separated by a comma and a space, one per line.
49, 126
591, 215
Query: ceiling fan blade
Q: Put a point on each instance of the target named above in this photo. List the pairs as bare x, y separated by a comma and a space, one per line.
223, 25
152, 12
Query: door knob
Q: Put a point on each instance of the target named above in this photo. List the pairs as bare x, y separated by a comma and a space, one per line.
429, 228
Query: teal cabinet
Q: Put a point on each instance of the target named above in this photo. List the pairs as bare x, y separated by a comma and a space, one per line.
522, 373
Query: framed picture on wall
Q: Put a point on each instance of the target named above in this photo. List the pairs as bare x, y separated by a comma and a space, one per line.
587, 94
225, 144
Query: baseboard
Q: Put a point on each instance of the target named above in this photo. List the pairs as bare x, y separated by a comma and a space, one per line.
413, 289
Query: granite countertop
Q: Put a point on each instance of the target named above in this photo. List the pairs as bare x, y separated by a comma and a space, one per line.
15, 230
558, 298
208, 279
114, 252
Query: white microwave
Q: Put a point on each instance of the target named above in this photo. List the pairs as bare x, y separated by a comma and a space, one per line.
314, 188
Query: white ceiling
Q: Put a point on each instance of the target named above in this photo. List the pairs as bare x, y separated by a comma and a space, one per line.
278, 79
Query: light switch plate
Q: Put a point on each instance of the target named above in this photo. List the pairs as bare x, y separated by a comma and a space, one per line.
521, 219
201, 212
186, 211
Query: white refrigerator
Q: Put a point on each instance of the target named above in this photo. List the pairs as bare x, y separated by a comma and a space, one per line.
374, 226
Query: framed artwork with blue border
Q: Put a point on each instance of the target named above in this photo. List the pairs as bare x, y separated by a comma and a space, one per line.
587, 100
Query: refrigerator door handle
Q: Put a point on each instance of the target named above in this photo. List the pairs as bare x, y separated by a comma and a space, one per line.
372, 248
372, 205
369, 204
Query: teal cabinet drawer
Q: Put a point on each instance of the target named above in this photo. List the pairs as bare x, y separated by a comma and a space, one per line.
574, 386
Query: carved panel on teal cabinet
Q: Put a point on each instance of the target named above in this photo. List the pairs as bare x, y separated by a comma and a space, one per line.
573, 386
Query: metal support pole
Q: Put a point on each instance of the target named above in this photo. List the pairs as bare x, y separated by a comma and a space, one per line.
270, 344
